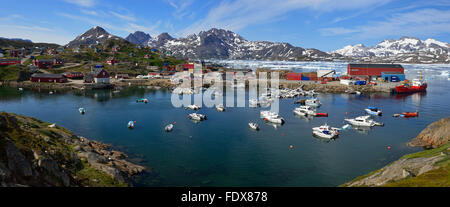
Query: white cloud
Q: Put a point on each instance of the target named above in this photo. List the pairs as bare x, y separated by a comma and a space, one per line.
83, 3
89, 12
124, 17
425, 22
238, 14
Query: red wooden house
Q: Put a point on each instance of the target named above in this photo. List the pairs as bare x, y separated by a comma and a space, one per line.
9, 61
50, 78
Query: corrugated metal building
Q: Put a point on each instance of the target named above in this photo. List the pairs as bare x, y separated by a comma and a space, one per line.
373, 69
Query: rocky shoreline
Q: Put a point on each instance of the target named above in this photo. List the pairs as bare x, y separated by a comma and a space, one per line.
430, 167
36, 153
330, 87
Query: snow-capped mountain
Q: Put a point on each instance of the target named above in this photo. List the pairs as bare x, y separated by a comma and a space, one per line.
224, 44
406, 49
95, 35
139, 38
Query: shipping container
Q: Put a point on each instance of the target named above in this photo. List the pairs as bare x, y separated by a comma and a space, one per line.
293, 76
305, 78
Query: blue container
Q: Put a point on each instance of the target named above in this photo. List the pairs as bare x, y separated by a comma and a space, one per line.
32, 57
305, 78
360, 83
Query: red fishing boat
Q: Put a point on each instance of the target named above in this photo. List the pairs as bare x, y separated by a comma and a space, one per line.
416, 85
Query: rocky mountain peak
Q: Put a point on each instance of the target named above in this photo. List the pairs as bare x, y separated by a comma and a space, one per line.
138, 37
95, 35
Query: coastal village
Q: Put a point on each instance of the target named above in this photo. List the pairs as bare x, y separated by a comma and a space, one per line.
116, 64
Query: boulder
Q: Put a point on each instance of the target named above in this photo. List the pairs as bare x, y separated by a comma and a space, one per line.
53, 168
434, 135
17, 161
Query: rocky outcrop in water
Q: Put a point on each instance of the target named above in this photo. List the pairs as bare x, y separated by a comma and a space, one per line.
435, 135
36, 153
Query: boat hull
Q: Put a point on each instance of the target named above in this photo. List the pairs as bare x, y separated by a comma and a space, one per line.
411, 89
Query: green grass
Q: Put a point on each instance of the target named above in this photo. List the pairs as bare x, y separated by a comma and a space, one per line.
435, 178
438, 177
427, 153
10, 72
89, 176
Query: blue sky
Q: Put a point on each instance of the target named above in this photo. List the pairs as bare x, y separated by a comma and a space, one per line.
323, 24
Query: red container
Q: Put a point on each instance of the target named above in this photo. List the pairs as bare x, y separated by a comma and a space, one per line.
372, 69
293, 76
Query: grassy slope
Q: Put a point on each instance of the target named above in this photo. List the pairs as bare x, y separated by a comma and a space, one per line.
438, 177
10, 72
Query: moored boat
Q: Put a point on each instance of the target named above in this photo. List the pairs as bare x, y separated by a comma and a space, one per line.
416, 85
253, 125
325, 131
313, 102
363, 121
168, 127
82, 110
220, 108
373, 111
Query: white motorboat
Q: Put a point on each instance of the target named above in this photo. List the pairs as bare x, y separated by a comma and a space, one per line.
305, 111
168, 127
373, 111
264, 114
276, 120
193, 107
130, 124
272, 117
197, 117
325, 131
220, 108
82, 110
363, 121
253, 125
313, 102
253, 103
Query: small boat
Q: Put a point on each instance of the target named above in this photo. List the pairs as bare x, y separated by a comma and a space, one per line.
275, 120
305, 111
325, 131
197, 117
52, 125
82, 110
347, 126
193, 107
363, 121
20, 89
130, 124
168, 127
373, 111
410, 114
220, 108
321, 114
313, 102
265, 114
253, 125
253, 103
143, 100
51, 92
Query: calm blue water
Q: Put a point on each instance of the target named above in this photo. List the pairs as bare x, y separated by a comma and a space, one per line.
223, 151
